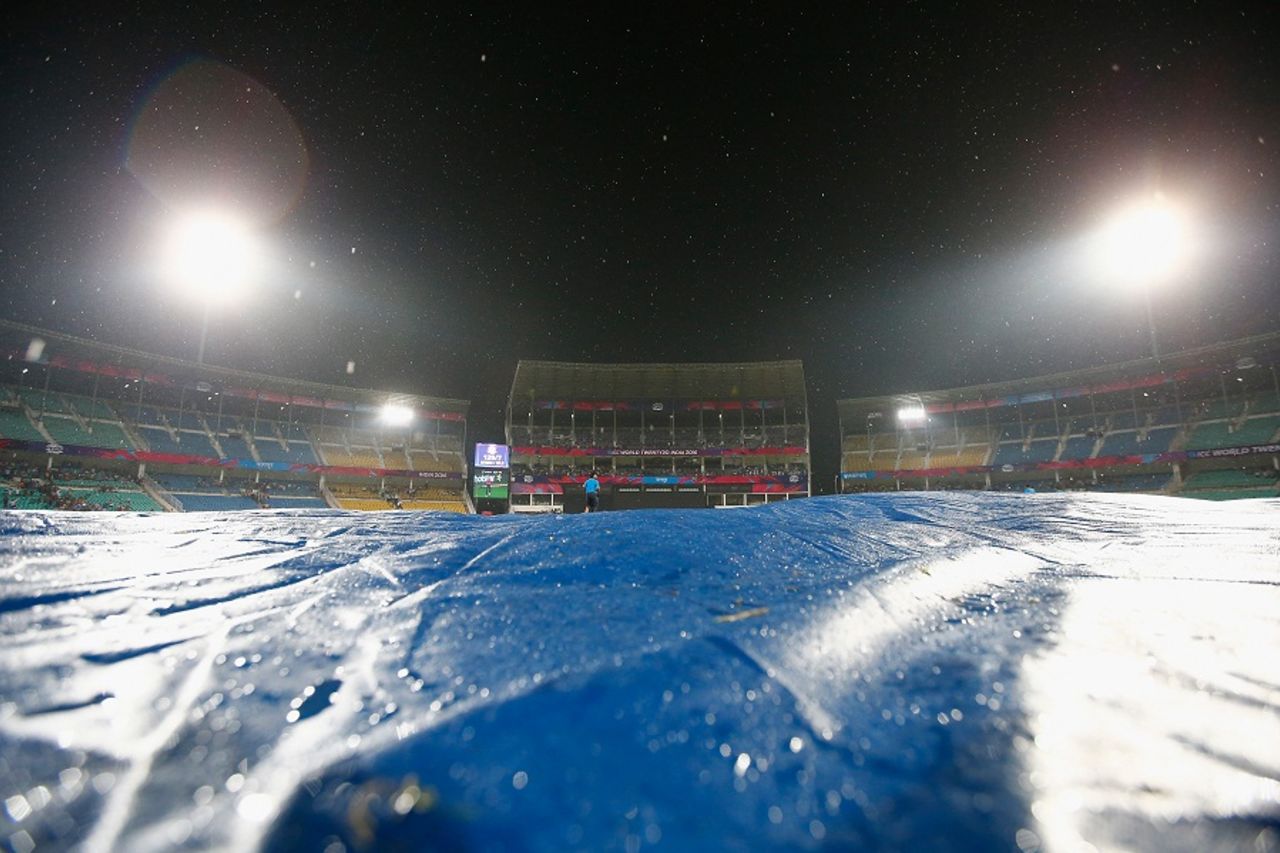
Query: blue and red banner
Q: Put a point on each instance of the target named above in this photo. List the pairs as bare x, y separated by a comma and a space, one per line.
666, 452
542, 484
657, 405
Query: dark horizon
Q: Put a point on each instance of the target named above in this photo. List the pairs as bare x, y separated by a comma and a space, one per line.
895, 196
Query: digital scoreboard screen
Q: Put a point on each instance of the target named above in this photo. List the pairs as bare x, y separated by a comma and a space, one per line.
491, 484
493, 456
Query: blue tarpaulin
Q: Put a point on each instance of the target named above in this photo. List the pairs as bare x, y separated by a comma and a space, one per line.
940, 671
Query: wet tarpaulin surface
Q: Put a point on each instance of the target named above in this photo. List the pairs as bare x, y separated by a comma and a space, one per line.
913, 671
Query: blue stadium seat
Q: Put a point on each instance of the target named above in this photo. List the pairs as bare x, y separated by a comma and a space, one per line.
1079, 447
192, 502
1008, 453
234, 447
1158, 440
1042, 450
1120, 444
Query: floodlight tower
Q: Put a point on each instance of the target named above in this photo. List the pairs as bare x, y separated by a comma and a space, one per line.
212, 256
1142, 246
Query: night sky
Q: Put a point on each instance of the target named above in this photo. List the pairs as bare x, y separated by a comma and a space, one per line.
895, 194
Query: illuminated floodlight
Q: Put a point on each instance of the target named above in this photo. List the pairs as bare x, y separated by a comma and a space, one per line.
912, 414
1144, 243
394, 415
211, 254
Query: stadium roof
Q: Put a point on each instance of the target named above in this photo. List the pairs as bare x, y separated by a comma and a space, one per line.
15, 338
576, 381
1258, 351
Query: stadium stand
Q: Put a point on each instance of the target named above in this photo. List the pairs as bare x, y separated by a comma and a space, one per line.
198, 437
1202, 423
67, 486
659, 434
1231, 484
15, 424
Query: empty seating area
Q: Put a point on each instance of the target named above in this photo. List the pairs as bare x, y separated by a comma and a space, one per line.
911, 460
1231, 484
363, 498
66, 419
67, 430
196, 493
1151, 482
1216, 434
234, 446
377, 498
15, 424
290, 494
1079, 447
355, 458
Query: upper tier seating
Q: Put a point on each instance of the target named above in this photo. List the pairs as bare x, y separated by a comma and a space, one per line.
15, 424
104, 434
38, 401
1158, 439
187, 443
297, 452
234, 447
1079, 447
911, 460
1120, 444
88, 407
1259, 430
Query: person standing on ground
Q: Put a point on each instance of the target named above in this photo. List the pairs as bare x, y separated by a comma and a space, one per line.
593, 492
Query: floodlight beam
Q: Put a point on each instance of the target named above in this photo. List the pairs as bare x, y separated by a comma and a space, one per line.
396, 415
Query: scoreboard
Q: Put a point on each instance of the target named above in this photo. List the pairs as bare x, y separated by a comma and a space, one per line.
491, 485
491, 474
492, 456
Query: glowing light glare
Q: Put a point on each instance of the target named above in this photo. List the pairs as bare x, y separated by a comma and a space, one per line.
394, 415
35, 349
1145, 243
212, 255
912, 414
